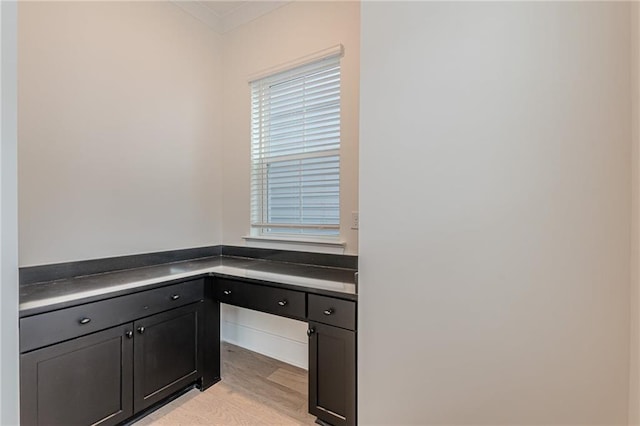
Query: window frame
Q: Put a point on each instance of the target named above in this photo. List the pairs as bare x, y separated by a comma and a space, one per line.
261, 227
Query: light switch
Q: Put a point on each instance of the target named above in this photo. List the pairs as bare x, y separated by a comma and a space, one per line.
355, 220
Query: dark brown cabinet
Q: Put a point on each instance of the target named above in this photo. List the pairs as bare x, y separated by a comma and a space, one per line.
56, 326
273, 300
167, 354
104, 362
332, 374
104, 377
88, 380
332, 341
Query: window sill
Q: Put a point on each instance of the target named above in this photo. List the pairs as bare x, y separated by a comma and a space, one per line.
316, 245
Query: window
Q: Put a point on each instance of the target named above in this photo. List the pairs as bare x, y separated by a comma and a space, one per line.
295, 151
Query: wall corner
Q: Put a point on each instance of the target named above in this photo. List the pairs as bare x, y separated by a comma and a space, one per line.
634, 355
9, 363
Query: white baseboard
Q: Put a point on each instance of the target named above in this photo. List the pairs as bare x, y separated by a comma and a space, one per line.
276, 337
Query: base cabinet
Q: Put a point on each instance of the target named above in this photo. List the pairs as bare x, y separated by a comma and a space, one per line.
106, 377
332, 374
104, 362
88, 380
332, 341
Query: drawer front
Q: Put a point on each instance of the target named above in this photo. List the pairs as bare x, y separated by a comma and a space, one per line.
332, 311
278, 301
45, 329
231, 292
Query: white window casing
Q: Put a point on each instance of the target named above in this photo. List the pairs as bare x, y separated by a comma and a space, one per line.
295, 150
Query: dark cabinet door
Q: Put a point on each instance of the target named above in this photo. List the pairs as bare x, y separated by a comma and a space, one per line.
167, 354
332, 374
87, 380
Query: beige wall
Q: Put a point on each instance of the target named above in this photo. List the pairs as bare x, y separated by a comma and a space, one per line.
122, 137
634, 376
119, 127
286, 34
496, 142
134, 133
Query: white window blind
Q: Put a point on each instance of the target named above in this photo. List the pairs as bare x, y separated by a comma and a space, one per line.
295, 138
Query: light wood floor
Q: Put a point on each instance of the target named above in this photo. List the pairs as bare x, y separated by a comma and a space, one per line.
255, 390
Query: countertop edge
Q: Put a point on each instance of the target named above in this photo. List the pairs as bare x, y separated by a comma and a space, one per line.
27, 309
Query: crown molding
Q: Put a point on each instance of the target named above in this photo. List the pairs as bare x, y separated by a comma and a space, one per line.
201, 12
243, 14
247, 12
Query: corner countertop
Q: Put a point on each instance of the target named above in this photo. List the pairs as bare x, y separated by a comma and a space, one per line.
47, 296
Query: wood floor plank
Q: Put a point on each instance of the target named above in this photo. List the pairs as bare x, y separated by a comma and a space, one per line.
255, 390
292, 380
263, 413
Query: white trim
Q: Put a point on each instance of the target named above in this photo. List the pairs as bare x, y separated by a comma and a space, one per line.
293, 226
244, 13
280, 338
247, 12
201, 13
316, 245
337, 50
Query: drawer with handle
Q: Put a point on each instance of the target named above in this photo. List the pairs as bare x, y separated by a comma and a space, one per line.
332, 311
52, 327
273, 300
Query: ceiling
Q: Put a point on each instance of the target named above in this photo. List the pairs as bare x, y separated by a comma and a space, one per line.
223, 16
221, 8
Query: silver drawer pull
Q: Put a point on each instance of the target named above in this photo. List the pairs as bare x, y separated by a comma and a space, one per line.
283, 303
141, 330
329, 311
84, 321
227, 292
175, 297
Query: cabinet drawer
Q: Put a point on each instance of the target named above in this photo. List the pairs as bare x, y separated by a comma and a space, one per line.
41, 330
332, 311
278, 301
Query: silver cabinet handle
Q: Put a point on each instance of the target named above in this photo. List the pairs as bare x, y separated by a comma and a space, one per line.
310, 331
129, 334
329, 311
175, 297
84, 321
141, 330
283, 302
227, 292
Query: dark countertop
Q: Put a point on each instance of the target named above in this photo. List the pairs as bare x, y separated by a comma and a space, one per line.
47, 296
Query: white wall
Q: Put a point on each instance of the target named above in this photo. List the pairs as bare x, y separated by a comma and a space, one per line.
9, 382
278, 337
634, 375
120, 127
288, 33
495, 213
